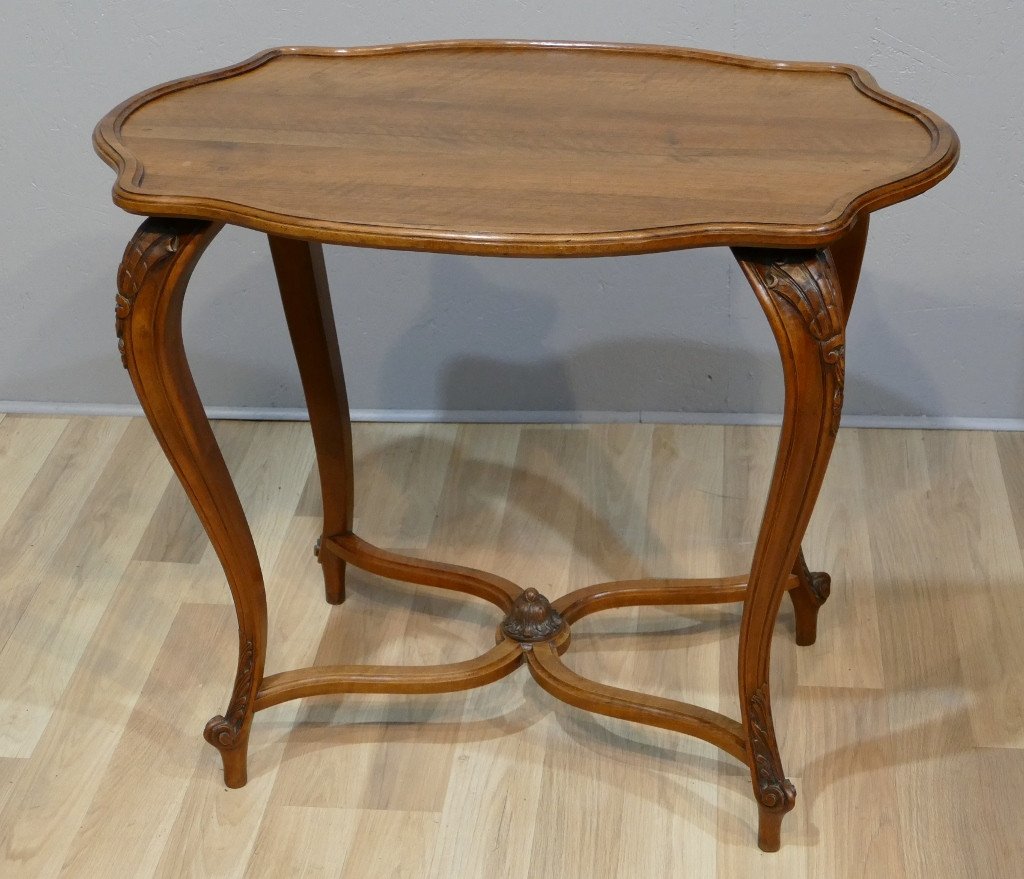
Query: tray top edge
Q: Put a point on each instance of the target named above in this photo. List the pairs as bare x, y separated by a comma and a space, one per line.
944, 154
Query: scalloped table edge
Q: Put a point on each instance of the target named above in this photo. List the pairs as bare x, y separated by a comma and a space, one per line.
128, 195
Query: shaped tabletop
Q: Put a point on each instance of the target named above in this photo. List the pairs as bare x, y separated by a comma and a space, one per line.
531, 149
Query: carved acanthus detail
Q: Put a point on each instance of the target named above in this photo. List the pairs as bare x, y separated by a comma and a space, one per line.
532, 618
817, 582
223, 732
774, 790
151, 246
815, 295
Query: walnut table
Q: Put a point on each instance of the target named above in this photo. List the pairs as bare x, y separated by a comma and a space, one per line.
513, 149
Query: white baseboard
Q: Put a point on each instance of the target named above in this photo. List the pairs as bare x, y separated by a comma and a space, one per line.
422, 416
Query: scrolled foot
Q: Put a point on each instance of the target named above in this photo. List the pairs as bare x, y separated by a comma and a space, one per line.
233, 744
807, 598
230, 734
775, 793
776, 796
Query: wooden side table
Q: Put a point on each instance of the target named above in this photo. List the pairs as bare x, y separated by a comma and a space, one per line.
513, 149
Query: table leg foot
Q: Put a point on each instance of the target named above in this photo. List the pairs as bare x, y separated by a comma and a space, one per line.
775, 793
769, 828
235, 757
333, 568
334, 578
229, 733
808, 597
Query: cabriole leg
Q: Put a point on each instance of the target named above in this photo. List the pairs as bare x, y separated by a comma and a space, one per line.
151, 287
302, 277
799, 291
815, 586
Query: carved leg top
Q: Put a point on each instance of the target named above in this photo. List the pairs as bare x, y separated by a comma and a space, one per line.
809, 284
148, 257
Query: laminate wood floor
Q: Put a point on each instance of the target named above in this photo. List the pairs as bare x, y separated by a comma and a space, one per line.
903, 727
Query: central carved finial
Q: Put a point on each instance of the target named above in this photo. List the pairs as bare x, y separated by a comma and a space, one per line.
532, 618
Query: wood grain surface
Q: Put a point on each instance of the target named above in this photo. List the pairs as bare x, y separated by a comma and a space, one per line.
533, 149
902, 726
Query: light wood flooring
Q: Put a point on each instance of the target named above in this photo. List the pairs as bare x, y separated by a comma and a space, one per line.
902, 728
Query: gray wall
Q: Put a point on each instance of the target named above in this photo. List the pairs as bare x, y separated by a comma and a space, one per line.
938, 329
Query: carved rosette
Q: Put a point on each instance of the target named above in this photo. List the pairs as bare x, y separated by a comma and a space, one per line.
774, 790
224, 733
152, 245
818, 582
815, 295
532, 618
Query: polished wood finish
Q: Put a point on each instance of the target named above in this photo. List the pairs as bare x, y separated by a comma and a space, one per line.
813, 588
848, 255
692, 720
800, 294
519, 148
502, 659
562, 150
457, 578
154, 273
811, 591
302, 277
652, 592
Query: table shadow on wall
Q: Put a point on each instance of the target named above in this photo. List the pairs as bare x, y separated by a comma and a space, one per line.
523, 363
